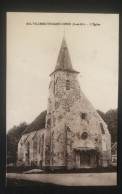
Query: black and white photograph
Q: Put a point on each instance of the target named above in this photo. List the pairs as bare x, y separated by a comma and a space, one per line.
62, 99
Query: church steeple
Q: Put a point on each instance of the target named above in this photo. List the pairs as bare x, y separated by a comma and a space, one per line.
64, 61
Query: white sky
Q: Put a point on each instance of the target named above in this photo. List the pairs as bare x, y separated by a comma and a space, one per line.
32, 51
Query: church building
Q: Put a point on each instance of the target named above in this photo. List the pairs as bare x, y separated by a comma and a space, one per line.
70, 134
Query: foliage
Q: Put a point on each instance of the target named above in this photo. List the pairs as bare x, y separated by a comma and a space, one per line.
111, 119
13, 137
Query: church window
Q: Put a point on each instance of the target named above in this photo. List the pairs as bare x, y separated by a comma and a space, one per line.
49, 122
84, 135
54, 88
54, 120
83, 116
56, 80
40, 143
67, 85
42, 140
102, 128
28, 152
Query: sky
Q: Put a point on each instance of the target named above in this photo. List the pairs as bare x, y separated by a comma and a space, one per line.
33, 44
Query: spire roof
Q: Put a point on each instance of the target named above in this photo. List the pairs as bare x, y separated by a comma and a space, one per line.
64, 61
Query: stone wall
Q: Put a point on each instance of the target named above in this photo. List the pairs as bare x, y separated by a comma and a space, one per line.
71, 114
31, 148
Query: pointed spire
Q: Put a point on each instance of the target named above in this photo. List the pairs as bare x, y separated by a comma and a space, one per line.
64, 61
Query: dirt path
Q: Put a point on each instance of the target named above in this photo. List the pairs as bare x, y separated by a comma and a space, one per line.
88, 179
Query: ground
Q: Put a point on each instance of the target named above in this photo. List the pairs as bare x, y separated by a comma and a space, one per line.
80, 179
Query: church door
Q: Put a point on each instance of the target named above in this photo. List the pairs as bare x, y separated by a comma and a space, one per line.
40, 164
84, 160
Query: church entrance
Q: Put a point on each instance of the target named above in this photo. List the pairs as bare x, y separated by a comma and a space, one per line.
86, 159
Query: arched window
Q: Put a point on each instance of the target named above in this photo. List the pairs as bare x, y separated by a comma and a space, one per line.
102, 128
67, 85
54, 88
83, 116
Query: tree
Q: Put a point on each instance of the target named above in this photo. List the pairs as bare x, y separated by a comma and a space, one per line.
13, 137
111, 118
111, 121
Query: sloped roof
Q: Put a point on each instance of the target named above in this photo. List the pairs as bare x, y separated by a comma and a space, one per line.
64, 61
38, 123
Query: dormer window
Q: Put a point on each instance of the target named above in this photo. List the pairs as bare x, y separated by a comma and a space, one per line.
67, 85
